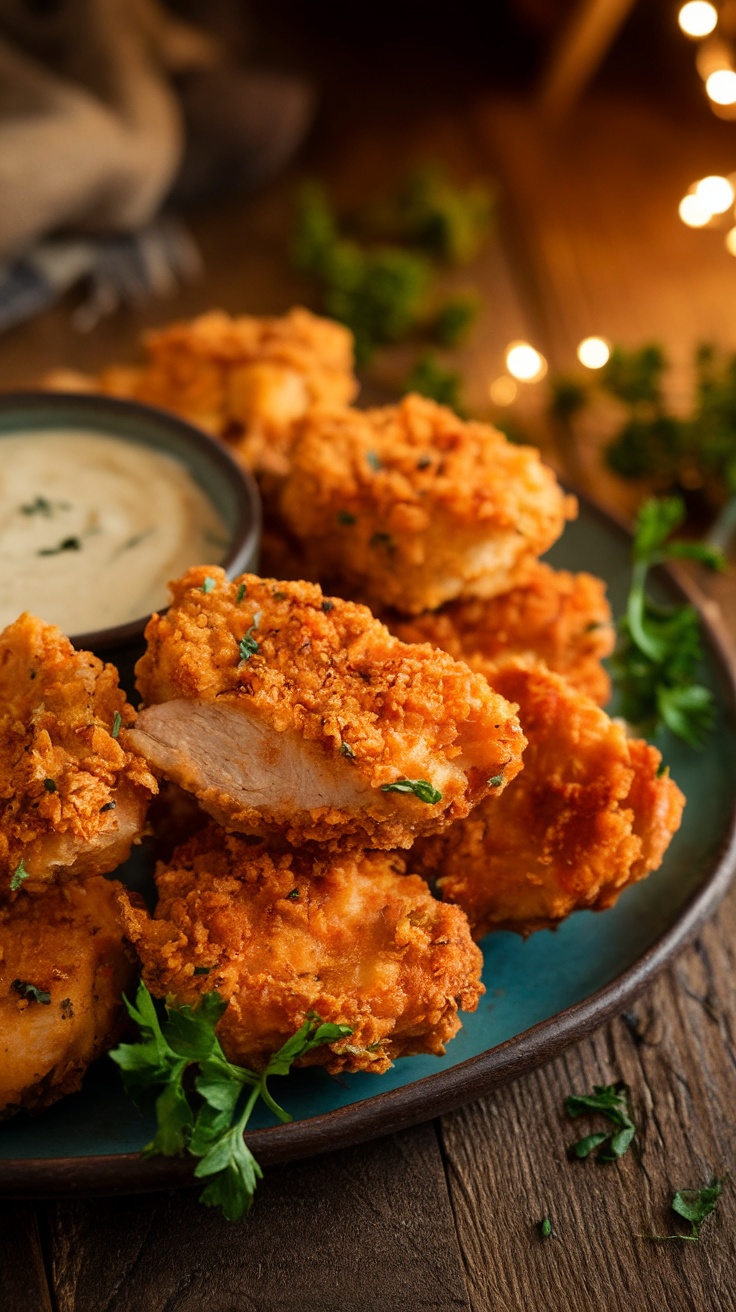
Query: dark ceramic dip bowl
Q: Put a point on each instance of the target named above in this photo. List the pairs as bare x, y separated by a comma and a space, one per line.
229, 487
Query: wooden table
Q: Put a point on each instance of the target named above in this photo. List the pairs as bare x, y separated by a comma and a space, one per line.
446, 1215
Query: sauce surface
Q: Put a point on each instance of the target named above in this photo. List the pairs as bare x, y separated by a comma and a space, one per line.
92, 528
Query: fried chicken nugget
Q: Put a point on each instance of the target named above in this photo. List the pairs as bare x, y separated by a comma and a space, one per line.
72, 800
63, 971
282, 710
414, 507
283, 934
560, 619
589, 814
245, 379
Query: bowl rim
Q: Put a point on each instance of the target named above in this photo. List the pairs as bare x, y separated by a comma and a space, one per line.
246, 534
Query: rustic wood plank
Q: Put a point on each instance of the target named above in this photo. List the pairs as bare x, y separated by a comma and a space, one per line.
23, 1283
577, 53
508, 1165
362, 1229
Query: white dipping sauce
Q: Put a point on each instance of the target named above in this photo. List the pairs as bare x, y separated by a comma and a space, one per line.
92, 528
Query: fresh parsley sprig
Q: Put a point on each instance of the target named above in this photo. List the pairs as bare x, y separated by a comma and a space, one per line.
611, 1101
206, 1101
659, 647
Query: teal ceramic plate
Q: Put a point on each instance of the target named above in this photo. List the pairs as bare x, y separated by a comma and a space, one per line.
541, 994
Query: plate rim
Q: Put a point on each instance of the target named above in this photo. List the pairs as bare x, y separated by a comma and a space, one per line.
444, 1091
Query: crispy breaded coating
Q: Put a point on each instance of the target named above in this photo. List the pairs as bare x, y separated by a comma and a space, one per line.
589, 814
283, 934
63, 971
283, 710
560, 619
414, 507
72, 799
242, 378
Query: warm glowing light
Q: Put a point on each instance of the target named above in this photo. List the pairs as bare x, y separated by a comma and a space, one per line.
721, 86
694, 212
594, 352
715, 192
698, 18
525, 363
731, 241
503, 390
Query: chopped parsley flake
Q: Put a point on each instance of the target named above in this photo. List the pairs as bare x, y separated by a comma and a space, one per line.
248, 645
19, 874
30, 992
495, 781
327, 606
346, 750
421, 788
117, 721
346, 518
38, 507
202, 970
109, 806
383, 540
280, 595
293, 895
545, 1228
209, 585
49, 785
374, 461
68, 544
240, 594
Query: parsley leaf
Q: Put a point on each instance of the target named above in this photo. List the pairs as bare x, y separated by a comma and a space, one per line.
19, 874
421, 788
659, 648
695, 1206
240, 594
208, 1122
346, 750
248, 645
49, 785
208, 585
346, 518
611, 1101
117, 721
31, 992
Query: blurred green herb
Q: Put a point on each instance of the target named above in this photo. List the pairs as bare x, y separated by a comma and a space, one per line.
207, 1119
656, 659
673, 451
430, 378
378, 280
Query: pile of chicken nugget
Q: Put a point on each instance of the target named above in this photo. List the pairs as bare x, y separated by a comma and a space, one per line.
390, 748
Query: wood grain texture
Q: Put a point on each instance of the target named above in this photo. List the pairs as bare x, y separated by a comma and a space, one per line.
364, 1229
23, 1283
508, 1164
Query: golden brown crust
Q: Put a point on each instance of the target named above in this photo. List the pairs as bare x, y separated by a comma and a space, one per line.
362, 707
72, 800
414, 507
283, 934
244, 379
560, 619
66, 944
588, 815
